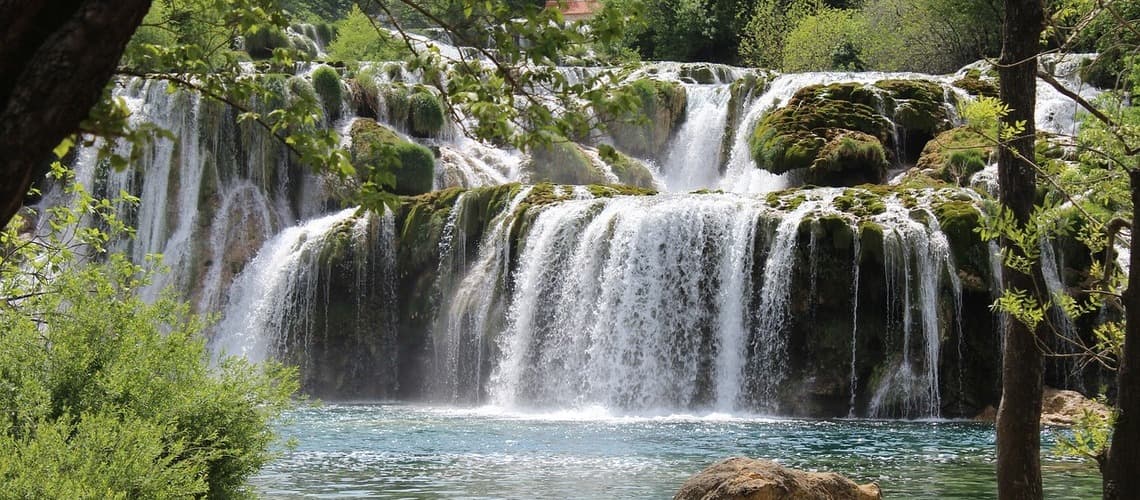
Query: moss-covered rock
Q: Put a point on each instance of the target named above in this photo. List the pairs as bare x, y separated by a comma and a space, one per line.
644, 131
628, 170
848, 158
917, 106
425, 114
958, 220
816, 129
793, 136
374, 145
326, 83
975, 84
955, 155
416, 110
562, 162
260, 44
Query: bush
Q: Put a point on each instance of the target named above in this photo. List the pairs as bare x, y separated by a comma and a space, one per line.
326, 83
829, 40
358, 40
106, 396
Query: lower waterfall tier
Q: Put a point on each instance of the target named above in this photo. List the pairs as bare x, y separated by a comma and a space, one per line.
812, 302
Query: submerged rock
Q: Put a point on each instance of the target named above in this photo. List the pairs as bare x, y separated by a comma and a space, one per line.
742, 478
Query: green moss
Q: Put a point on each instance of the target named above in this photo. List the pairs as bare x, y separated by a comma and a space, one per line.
425, 116
974, 85
793, 136
838, 229
918, 105
326, 83
374, 145
850, 158
260, 44
628, 170
860, 203
397, 102
955, 155
958, 220
609, 191
871, 240
563, 162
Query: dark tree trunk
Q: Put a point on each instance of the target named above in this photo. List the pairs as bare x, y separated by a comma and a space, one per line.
1023, 363
56, 57
1121, 467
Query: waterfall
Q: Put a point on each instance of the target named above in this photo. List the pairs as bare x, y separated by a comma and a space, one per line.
691, 161
1065, 340
631, 303
262, 313
855, 264
290, 304
914, 250
769, 338
470, 297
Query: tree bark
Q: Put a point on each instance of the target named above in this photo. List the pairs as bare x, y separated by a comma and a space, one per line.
1023, 363
56, 57
1121, 468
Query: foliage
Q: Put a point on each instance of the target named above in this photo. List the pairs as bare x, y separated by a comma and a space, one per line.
762, 43
105, 396
358, 39
820, 41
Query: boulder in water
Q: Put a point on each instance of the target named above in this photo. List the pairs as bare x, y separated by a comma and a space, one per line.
742, 478
1059, 407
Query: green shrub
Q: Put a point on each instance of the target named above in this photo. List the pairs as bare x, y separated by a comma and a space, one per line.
106, 396
326, 83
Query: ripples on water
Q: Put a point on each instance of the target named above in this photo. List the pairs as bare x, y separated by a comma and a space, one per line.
400, 451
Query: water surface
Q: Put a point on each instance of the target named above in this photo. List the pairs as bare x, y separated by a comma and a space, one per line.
404, 451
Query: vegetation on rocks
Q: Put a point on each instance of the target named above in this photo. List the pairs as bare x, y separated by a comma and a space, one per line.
643, 131
373, 144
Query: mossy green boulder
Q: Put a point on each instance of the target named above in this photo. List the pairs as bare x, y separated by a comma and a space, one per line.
955, 155
832, 130
562, 162
416, 110
629, 171
374, 145
643, 132
326, 83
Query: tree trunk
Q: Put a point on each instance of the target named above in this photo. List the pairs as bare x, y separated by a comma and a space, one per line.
1121, 467
56, 57
1023, 363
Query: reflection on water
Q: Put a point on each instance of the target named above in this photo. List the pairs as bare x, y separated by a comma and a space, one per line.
400, 451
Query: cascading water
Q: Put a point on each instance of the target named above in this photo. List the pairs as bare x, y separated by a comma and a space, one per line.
914, 250
632, 304
691, 162
669, 303
462, 324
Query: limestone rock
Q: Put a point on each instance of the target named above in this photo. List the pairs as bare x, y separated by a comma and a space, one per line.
1058, 407
742, 478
